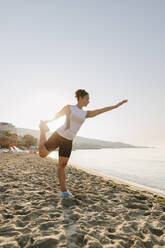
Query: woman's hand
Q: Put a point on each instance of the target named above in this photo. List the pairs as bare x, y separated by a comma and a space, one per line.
120, 103
124, 101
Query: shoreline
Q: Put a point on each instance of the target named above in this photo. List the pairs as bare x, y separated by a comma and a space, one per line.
144, 190
120, 181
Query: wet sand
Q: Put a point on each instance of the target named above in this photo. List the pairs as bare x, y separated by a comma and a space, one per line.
103, 213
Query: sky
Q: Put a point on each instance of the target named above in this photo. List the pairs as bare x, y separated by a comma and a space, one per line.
114, 49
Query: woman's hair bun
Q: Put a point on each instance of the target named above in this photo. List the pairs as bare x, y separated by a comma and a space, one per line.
80, 92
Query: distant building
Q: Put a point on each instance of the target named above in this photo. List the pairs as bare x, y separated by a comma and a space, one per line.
6, 126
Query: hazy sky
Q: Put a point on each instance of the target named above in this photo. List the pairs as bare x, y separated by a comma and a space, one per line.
114, 49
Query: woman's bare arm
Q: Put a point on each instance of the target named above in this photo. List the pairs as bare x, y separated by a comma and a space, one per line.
93, 113
63, 111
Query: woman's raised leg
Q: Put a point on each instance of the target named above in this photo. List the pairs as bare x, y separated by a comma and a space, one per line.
43, 152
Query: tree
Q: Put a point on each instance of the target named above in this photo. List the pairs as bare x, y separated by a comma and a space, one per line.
8, 139
7, 133
29, 140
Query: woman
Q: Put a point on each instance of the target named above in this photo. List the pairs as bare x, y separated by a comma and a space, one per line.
64, 135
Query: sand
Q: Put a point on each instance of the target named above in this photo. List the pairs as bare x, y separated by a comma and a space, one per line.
103, 213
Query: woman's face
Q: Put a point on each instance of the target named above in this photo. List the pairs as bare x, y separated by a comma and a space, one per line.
84, 100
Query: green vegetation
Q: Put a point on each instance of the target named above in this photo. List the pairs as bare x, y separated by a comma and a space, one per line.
9, 139
29, 140
6, 133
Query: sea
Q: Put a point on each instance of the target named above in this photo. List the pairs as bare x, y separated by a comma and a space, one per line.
141, 167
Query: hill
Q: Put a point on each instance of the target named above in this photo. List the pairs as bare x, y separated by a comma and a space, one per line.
81, 142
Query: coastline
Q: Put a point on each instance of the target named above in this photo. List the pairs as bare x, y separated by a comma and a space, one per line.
147, 190
120, 181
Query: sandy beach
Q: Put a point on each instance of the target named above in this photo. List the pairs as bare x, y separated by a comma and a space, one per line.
103, 213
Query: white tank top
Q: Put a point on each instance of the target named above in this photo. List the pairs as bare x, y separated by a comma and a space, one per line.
72, 123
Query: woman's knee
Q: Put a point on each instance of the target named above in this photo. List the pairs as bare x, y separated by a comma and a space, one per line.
63, 161
43, 152
42, 155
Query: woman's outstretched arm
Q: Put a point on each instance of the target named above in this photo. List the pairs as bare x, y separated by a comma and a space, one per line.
93, 113
63, 111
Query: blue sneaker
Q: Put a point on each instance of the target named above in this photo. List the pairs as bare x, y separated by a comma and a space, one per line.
66, 194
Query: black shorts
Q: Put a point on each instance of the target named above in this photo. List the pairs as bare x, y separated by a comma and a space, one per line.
56, 140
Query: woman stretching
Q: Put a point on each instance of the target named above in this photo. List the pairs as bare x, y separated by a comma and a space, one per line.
64, 135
